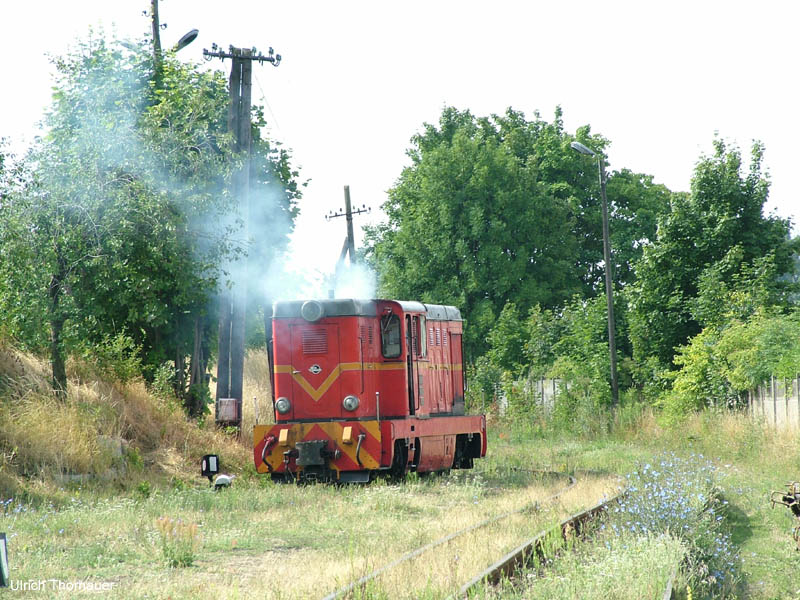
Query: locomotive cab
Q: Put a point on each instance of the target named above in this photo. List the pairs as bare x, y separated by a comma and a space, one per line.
364, 386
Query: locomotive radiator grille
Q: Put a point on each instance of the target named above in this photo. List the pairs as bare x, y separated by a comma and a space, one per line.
315, 341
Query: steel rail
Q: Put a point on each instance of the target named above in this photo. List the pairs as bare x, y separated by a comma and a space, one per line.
670, 583
535, 547
422, 549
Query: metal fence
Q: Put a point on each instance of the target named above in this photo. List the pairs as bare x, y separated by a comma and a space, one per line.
776, 402
545, 391
539, 392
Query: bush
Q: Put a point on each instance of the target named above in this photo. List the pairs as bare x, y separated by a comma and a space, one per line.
179, 541
115, 358
720, 363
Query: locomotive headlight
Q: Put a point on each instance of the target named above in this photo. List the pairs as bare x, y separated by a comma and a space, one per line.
282, 405
350, 402
312, 311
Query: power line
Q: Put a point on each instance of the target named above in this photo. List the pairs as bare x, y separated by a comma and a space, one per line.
269, 108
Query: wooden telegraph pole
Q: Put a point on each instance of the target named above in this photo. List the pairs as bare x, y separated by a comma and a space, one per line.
233, 303
349, 242
349, 246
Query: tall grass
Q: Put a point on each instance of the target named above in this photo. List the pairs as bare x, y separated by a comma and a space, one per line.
626, 568
755, 456
45, 442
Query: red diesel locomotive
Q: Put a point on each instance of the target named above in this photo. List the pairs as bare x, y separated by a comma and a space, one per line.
366, 386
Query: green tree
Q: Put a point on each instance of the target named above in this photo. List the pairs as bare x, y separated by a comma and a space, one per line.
500, 209
636, 202
464, 227
703, 240
125, 207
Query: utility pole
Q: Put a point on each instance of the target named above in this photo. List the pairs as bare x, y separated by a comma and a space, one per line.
233, 303
349, 242
612, 346
157, 56
349, 246
156, 32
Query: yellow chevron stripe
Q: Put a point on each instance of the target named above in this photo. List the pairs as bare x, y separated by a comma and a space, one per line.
317, 393
373, 429
298, 431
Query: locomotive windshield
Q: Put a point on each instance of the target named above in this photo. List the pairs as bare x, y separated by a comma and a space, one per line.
390, 336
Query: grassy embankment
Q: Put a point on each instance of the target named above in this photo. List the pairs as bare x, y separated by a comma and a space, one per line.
146, 522
741, 461
288, 541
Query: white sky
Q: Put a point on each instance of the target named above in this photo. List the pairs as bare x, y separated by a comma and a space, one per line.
358, 79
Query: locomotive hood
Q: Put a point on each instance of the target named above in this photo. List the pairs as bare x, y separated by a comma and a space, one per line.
350, 307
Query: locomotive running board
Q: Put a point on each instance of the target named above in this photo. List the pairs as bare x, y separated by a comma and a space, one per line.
354, 476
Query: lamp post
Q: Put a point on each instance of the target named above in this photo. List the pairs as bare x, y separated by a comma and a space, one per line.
612, 346
156, 24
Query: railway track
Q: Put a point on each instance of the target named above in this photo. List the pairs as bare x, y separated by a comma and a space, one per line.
535, 549
502, 567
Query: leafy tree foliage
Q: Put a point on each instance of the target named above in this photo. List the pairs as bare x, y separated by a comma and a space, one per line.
720, 363
500, 209
122, 223
636, 202
703, 241
506, 341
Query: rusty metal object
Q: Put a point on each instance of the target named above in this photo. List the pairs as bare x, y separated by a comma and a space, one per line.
791, 499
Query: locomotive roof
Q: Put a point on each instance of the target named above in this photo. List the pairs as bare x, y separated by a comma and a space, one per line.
351, 307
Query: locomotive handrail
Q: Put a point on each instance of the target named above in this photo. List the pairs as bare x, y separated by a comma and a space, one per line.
421, 550
361, 437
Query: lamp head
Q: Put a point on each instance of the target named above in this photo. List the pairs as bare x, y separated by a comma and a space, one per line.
578, 147
186, 39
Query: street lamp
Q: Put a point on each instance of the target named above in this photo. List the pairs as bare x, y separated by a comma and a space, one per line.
187, 39
612, 347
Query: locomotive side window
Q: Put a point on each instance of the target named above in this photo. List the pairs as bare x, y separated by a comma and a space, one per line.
390, 336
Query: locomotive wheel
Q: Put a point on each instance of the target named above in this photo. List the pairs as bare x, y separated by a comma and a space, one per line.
397, 471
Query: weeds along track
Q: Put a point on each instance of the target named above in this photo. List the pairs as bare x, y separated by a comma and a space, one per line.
542, 549
437, 568
539, 548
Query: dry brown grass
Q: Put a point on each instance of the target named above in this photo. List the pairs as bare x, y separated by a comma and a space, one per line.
256, 392
392, 524
44, 439
375, 526
442, 571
